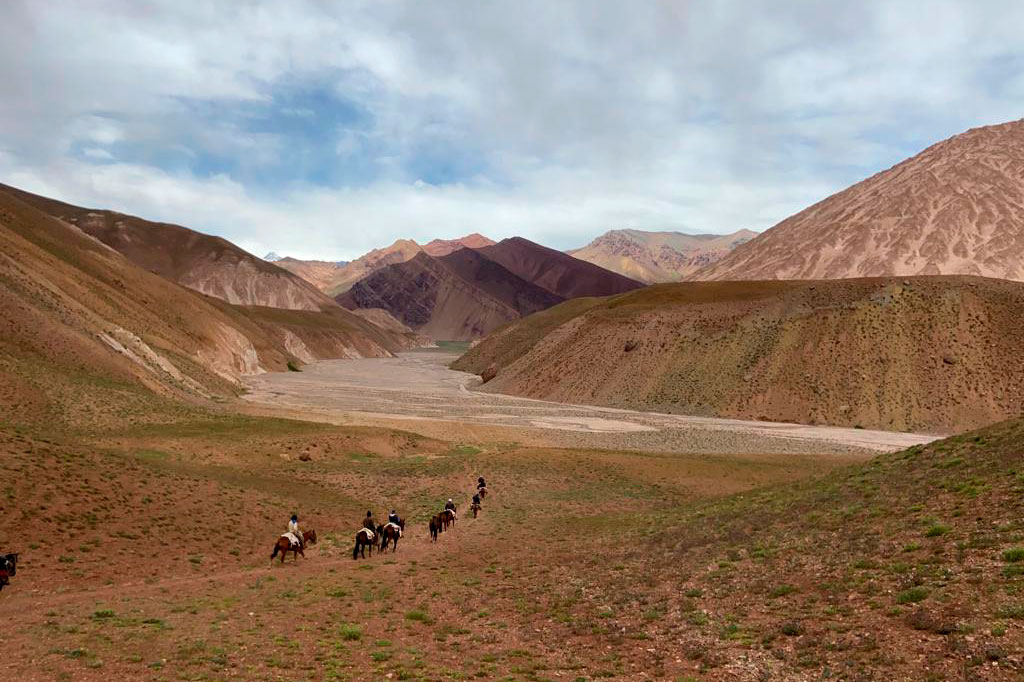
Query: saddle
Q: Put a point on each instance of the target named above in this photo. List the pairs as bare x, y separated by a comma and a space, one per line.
293, 539
370, 535
391, 524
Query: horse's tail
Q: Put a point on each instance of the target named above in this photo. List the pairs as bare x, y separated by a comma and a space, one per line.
355, 550
277, 546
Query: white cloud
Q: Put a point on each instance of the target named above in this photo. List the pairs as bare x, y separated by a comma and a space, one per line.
579, 116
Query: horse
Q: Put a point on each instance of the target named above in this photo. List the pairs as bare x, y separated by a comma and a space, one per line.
435, 527
482, 491
388, 533
8, 567
475, 508
364, 538
284, 545
447, 518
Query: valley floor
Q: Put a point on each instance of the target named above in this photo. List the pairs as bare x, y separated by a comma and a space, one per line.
614, 545
417, 391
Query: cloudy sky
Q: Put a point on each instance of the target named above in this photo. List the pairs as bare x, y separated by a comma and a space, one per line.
324, 129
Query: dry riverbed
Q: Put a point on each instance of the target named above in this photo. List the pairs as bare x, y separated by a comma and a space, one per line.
417, 392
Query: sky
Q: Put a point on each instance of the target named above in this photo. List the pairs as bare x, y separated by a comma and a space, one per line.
324, 129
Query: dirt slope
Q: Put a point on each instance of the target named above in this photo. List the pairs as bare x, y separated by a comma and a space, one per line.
559, 273
442, 247
82, 329
653, 257
208, 264
933, 354
319, 273
456, 298
955, 208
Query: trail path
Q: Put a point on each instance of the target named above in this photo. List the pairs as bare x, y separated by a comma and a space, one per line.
418, 387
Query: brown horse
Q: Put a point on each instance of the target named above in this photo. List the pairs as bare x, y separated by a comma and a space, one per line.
447, 518
482, 492
284, 546
388, 533
364, 538
435, 527
475, 508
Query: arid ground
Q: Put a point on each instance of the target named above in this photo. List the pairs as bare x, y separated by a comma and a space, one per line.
416, 391
146, 547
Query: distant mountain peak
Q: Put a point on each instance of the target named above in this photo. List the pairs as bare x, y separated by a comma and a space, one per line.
662, 256
272, 257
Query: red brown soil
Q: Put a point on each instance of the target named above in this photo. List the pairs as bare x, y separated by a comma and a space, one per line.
932, 354
954, 209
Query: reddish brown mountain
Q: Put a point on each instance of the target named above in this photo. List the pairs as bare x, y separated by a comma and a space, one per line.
208, 264
955, 208
555, 271
442, 247
457, 297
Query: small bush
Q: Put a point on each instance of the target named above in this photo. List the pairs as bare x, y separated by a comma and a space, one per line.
792, 629
912, 596
351, 632
937, 530
1012, 556
419, 615
293, 366
781, 591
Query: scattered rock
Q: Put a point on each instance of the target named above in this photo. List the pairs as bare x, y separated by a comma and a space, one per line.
489, 373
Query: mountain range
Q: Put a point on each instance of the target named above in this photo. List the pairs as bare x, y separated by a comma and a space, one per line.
653, 257
467, 293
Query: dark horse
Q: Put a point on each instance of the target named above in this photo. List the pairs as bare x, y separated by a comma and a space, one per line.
482, 492
388, 533
284, 546
435, 527
8, 567
447, 518
475, 508
364, 538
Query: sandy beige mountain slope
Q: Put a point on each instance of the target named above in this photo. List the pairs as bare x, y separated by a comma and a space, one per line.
934, 354
319, 273
211, 265
81, 327
955, 208
655, 257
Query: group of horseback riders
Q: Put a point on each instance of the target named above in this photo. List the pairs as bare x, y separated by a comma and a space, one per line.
295, 540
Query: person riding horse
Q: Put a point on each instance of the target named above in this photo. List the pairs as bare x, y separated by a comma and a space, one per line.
368, 522
480, 483
293, 528
449, 505
476, 499
393, 518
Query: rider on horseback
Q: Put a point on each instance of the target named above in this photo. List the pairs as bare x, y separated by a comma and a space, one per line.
368, 522
476, 499
449, 505
293, 528
480, 483
393, 518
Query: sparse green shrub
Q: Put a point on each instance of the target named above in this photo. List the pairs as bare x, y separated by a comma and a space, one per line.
912, 596
351, 632
937, 530
1012, 556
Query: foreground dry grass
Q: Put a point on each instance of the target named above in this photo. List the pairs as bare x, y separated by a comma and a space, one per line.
145, 557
